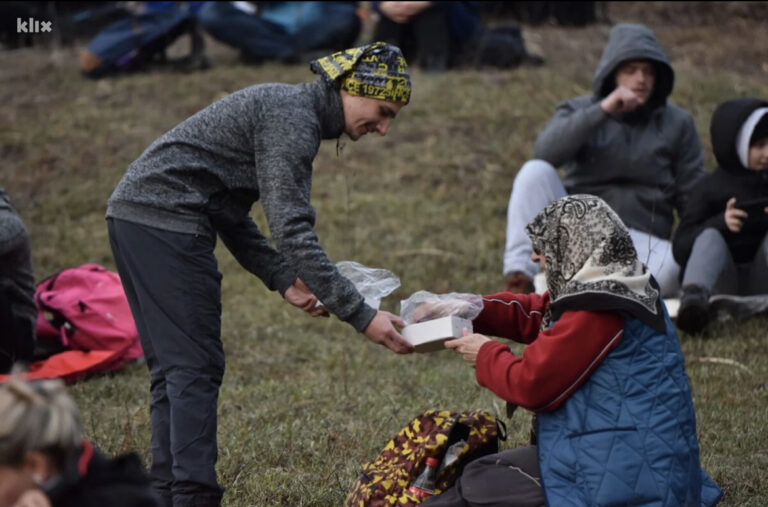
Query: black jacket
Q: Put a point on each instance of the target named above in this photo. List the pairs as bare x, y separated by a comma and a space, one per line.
95, 480
706, 206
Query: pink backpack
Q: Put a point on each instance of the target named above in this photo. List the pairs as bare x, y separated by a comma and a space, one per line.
85, 308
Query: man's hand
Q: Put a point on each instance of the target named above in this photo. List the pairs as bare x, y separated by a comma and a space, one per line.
468, 346
621, 100
381, 331
402, 12
300, 296
734, 217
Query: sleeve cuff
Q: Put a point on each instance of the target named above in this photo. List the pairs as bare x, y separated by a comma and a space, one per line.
361, 317
484, 360
595, 114
282, 280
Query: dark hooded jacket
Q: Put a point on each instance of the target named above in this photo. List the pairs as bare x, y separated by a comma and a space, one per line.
17, 288
92, 479
643, 164
730, 179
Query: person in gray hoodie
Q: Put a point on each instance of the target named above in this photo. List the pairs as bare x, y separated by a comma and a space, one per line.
199, 180
626, 144
18, 311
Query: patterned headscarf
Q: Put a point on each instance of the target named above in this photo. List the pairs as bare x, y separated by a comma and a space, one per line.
591, 261
376, 70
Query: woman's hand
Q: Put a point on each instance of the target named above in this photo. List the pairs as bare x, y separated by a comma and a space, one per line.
734, 217
468, 346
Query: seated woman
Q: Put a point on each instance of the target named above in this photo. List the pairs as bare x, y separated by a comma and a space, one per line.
603, 371
722, 240
44, 460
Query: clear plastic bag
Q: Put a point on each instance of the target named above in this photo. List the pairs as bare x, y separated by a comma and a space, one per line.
374, 284
423, 306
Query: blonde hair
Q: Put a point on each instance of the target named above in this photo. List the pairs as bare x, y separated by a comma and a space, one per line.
38, 416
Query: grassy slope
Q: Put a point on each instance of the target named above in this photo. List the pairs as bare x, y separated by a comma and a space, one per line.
305, 401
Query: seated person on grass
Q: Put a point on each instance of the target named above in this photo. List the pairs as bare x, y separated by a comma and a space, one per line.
18, 311
603, 371
722, 244
45, 462
625, 144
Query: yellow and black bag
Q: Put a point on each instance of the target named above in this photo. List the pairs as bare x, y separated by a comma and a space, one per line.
385, 481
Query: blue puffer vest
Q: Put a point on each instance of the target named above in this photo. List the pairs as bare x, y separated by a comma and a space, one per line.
628, 435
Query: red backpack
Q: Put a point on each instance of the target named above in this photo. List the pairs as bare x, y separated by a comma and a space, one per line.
85, 308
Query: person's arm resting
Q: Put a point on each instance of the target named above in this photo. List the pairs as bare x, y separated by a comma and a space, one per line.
567, 131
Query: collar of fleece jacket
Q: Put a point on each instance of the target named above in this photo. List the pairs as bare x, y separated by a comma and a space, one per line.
591, 261
329, 109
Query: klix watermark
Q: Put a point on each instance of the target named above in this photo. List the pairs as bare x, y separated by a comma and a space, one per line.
33, 25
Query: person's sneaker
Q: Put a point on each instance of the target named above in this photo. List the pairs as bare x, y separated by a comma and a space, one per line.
693, 315
519, 283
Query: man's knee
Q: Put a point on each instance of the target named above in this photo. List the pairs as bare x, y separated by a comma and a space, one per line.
212, 16
535, 173
710, 236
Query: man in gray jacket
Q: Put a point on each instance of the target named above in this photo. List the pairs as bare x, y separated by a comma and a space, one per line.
199, 180
625, 144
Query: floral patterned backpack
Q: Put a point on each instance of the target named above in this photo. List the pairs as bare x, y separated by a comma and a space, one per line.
453, 438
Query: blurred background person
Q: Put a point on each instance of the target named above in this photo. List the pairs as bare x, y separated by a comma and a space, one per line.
724, 247
287, 31
44, 460
18, 311
625, 144
443, 35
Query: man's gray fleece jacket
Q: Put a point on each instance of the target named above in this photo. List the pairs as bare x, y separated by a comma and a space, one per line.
256, 144
643, 164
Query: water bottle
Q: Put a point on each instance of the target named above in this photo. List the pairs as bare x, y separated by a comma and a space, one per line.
451, 455
424, 485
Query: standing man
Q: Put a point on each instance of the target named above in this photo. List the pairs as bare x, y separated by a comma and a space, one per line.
199, 180
625, 144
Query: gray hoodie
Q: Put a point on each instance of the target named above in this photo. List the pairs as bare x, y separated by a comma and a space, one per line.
256, 144
643, 164
17, 280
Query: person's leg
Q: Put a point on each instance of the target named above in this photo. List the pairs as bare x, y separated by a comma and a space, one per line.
175, 285
656, 253
710, 268
398, 34
161, 473
710, 264
758, 272
337, 29
432, 37
256, 37
536, 185
507, 478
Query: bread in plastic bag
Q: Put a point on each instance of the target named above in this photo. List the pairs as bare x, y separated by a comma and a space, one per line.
423, 306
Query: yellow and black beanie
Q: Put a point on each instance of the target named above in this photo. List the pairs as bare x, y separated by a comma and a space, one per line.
377, 70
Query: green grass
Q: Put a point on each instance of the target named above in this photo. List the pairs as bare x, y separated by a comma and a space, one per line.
305, 401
